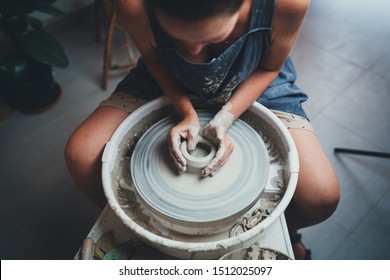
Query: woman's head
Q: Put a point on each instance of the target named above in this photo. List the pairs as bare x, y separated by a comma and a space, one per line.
197, 23
194, 10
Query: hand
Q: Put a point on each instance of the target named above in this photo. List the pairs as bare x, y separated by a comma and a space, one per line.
188, 129
215, 131
225, 149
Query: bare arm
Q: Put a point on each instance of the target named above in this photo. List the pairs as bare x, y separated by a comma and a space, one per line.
288, 18
133, 17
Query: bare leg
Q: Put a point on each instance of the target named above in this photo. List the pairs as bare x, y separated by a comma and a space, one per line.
85, 147
317, 193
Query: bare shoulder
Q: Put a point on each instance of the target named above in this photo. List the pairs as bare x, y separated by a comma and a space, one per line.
289, 16
292, 8
133, 17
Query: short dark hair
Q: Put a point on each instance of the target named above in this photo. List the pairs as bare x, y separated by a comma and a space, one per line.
192, 10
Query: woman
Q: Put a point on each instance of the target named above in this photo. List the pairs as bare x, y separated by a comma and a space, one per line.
230, 53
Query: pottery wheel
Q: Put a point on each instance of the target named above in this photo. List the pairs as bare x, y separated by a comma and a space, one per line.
188, 197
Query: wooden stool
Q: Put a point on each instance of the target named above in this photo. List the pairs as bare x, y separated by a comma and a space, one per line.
109, 51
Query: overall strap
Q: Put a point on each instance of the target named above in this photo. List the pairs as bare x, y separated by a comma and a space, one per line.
262, 14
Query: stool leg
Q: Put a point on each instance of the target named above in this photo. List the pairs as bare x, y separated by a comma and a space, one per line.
108, 45
362, 152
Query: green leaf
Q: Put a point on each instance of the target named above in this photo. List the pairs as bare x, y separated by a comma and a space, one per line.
47, 2
7, 9
45, 48
12, 69
29, 6
34, 22
50, 10
14, 27
7, 67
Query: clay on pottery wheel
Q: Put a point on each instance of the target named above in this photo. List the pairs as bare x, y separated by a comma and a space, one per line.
189, 200
200, 157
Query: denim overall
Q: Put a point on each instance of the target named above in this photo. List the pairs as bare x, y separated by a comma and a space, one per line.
215, 81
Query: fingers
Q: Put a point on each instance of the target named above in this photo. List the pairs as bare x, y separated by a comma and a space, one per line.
209, 132
193, 138
225, 149
182, 131
174, 150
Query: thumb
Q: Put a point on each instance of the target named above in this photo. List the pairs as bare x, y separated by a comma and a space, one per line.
192, 141
192, 137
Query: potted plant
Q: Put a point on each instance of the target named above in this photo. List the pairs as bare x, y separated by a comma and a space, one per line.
26, 68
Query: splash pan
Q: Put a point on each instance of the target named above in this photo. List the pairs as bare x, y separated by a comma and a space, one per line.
200, 236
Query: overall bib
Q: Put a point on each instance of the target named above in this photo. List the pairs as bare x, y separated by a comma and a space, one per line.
215, 81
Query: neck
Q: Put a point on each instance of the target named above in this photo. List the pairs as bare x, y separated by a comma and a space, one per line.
245, 12
242, 25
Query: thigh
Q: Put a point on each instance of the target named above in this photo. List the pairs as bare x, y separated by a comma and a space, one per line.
88, 140
123, 101
317, 181
102, 123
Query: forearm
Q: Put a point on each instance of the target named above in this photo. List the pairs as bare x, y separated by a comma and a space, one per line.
250, 90
133, 17
188, 128
172, 90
